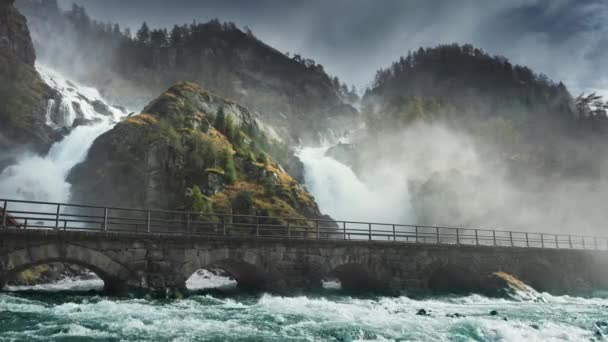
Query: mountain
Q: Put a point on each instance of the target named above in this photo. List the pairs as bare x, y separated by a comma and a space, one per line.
24, 95
190, 150
293, 94
513, 112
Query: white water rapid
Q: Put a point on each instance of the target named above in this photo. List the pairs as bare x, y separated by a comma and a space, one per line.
43, 178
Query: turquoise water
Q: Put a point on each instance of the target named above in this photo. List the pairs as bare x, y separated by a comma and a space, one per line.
332, 317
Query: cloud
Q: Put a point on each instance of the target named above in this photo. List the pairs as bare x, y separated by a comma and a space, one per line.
564, 39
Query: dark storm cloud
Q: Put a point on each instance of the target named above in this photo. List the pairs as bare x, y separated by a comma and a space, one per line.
566, 39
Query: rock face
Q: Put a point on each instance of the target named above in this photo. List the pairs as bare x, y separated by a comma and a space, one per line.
23, 95
191, 150
14, 33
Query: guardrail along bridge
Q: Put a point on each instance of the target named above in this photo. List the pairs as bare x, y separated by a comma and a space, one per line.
160, 250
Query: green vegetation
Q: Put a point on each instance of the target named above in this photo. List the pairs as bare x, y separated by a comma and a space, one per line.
22, 97
154, 158
200, 203
228, 164
242, 203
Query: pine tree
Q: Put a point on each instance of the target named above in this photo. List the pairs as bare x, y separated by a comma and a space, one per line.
220, 120
143, 34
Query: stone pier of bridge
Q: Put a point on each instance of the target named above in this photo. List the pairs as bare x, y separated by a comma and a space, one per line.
152, 262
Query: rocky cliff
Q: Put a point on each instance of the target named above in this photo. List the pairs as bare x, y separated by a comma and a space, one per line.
23, 95
190, 150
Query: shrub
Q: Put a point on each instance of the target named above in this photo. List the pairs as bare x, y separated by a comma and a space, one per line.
263, 158
242, 203
229, 169
200, 203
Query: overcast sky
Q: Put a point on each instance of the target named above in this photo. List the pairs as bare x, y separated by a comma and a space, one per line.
565, 39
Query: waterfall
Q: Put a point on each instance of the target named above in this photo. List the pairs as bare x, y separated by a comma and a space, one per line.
43, 178
379, 197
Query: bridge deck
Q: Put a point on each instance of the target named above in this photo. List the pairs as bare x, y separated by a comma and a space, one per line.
63, 217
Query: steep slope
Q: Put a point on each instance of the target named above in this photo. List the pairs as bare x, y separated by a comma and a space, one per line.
23, 95
192, 150
293, 94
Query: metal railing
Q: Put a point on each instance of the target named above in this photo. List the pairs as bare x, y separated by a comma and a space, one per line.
17, 214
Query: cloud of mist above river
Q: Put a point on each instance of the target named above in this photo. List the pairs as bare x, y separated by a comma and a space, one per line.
450, 181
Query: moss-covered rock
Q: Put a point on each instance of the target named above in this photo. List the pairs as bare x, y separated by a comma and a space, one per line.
23, 94
157, 159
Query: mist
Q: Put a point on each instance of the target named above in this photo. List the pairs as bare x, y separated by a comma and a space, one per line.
433, 174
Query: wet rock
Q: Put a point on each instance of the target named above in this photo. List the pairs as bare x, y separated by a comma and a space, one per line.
455, 315
534, 326
422, 312
493, 313
101, 108
77, 110
84, 122
215, 183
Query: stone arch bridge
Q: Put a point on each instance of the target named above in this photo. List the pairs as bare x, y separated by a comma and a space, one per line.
160, 262
159, 251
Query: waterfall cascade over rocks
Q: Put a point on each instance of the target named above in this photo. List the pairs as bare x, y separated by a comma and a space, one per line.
83, 115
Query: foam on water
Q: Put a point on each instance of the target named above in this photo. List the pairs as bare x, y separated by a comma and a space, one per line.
204, 279
92, 283
305, 318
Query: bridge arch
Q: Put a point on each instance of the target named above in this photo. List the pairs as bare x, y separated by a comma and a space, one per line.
356, 277
245, 267
540, 277
450, 278
114, 274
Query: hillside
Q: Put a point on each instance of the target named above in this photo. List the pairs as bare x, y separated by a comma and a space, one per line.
512, 112
24, 95
293, 94
190, 150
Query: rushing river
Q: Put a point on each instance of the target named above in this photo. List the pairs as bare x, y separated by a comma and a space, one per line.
330, 317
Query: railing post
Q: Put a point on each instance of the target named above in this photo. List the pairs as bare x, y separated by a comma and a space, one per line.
394, 233
527, 240
148, 221
344, 228
224, 225
494, 237
476, 238
416, 231
457, 236
370, 231
570, 241
105, 219
511, 238
542, 241
4, 214
257, 226
188, 223
437, 234
25, 224
595, 241
317, 226
584, 247
556, 242
57, 216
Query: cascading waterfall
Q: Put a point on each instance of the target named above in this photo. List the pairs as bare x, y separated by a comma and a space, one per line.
344, 196
43, 178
